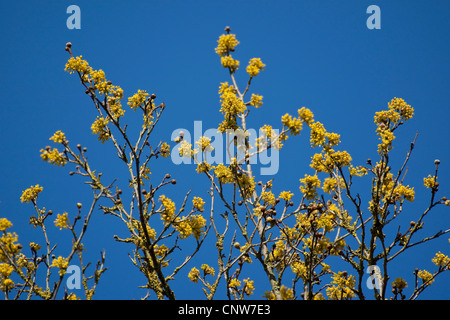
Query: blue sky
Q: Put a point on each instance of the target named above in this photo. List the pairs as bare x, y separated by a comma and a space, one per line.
318, 54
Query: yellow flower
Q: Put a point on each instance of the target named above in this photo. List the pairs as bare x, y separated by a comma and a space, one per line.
224, 174
61, 263
342, 287
137, 99
77, 64
58, 137
330, 185
268, 197
234, 283
35, 246
5, 224
402, 191
310, 184
6, 270
231, 103
226, 44
255, 65
249, 286
31, 193
208, 270
286, 195
229, 62
405, 110
358, 171
306, 115
317, 134
441, 260
168, 213
198, 203
62, 221
194, 274
72, 296
429, 182
164, 150
294, 124
100, 127
197, 224
425, 276
185, 150
204, 144
286, 293
256, 100
53, 156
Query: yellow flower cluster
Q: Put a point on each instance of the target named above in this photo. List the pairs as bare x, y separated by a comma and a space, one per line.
343, 286
441, 260
425, 276
403, 191
100, 128
230, 63
138, 99
256, 100
268, 197
6, 284
286, 195
310, 185
5, 224
168, 214
331, 184
429, 182
388, 120
293, 124
164, 150
53, 156
255, 65
62, 221
226, 44
204, 144
194, 274
194, 225
286, 294
207, 270
58, 137
198, 203
230, 103
185, 150
224, 174
77, 64
61, 263
31, 193
306, 115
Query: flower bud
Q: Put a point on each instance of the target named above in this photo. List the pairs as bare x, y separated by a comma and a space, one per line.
79, 205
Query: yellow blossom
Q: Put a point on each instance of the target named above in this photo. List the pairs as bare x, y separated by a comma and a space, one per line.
198, 203
256, 100
255, 65
77, 64
249, 286
168, 214
234, 283
405, 110
226, 44
268, 197
164, 150
306, 115
61, 263
5, 224
286, 195
310, 184
58, 137
441, 260
429, 182
425, 276
208, 270
100, 127
137, 99
224, 174
31, 193
229, 62
53, 156
194, 274
62, 221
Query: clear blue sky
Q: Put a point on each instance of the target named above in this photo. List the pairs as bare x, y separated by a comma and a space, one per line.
318, 54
